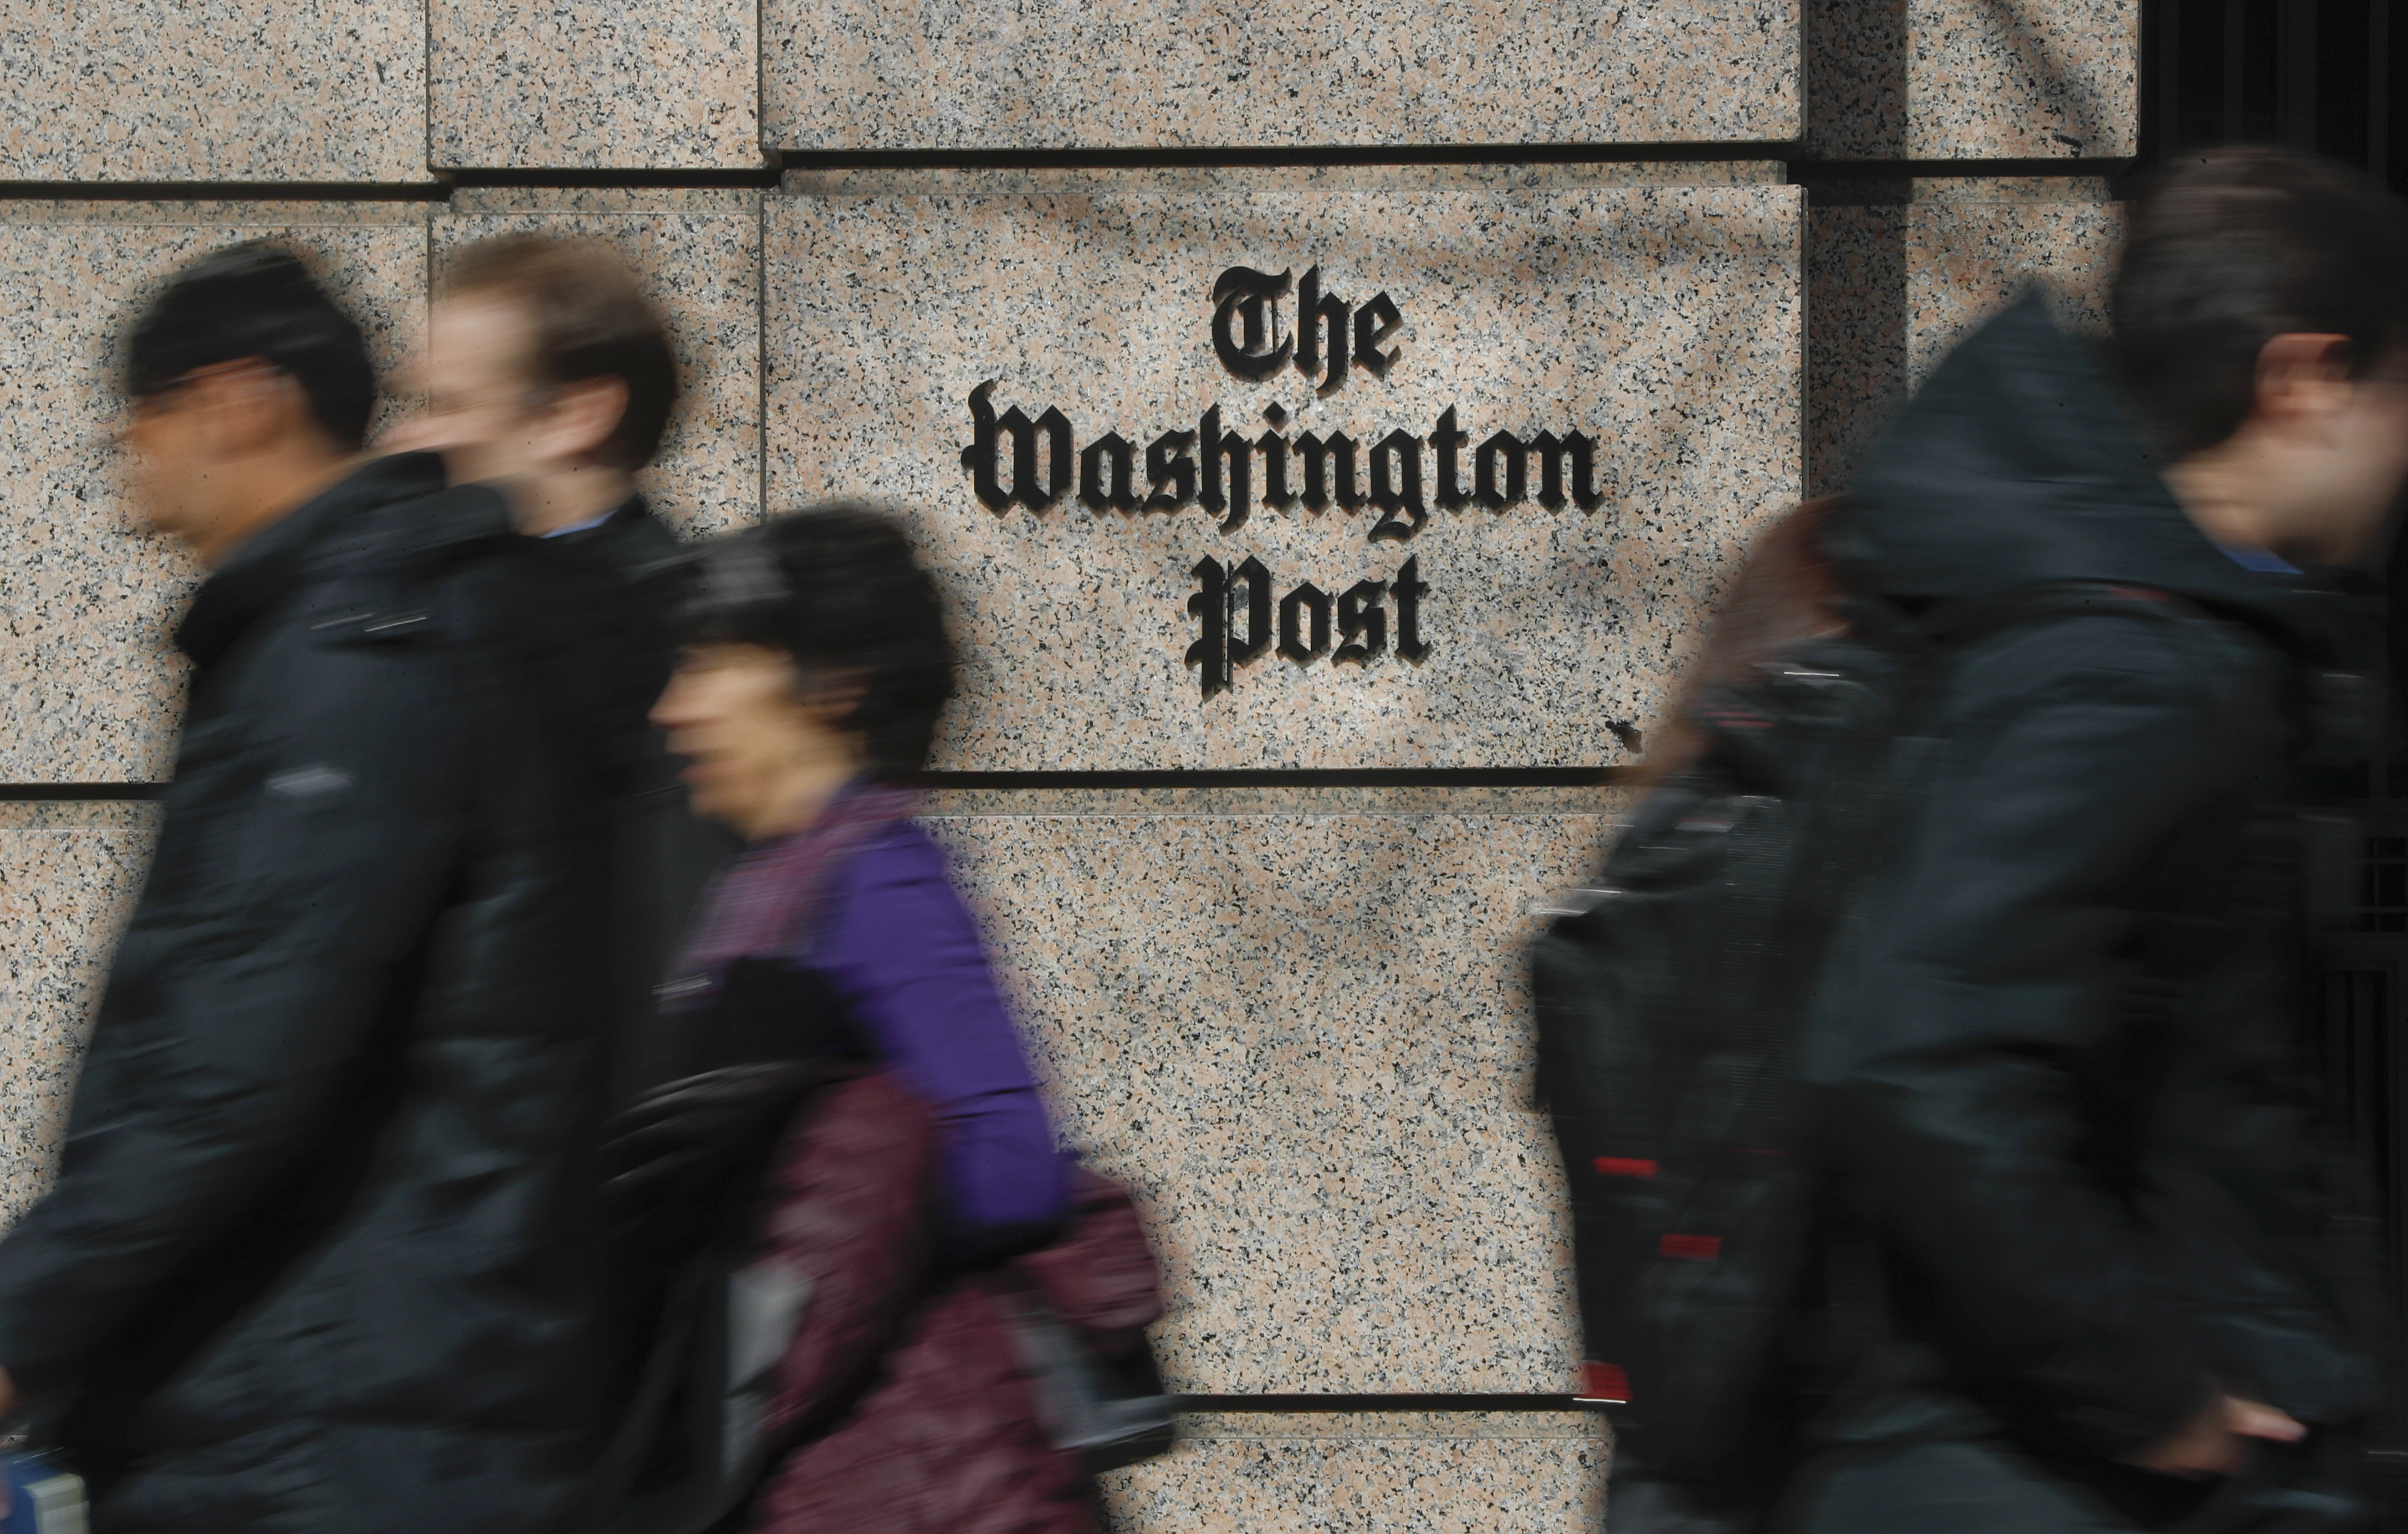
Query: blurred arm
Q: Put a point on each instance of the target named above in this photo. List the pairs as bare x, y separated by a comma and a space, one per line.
903, 948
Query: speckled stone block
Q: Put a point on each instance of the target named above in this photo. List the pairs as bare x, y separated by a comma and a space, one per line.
1052, 74
1304, 1041
642, 84
1373, 1472
1973, 79
698, 255
90, 689
1662, 323
68, 882
214, 91
1894, 287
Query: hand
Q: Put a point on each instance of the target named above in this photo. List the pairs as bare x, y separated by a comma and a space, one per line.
2216, 1441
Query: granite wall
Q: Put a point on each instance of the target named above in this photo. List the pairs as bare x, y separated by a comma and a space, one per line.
1261, 914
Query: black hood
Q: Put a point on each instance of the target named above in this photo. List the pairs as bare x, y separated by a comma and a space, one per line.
2018, 464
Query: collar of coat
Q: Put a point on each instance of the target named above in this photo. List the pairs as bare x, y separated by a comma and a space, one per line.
338, 529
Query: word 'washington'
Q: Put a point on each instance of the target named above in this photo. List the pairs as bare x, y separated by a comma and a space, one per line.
1017, 461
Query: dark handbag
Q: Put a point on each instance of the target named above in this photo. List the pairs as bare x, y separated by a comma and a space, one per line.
684, 1168
1078, 1308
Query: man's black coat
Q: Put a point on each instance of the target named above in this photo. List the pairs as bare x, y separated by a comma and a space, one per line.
2061, 1049
663, 855
318, 1257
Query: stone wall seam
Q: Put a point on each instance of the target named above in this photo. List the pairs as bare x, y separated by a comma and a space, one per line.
763, 510
1395, 1424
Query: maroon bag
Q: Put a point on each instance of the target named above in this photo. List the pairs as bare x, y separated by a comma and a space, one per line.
918, 1401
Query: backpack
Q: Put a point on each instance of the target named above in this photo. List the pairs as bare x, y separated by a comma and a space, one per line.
1672, 996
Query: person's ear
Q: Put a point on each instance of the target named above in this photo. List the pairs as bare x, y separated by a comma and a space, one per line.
2304, 381
582, 416
834, 705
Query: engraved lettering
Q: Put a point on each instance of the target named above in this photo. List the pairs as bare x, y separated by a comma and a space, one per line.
1245, 322
1503, 449
1297, 643
1166, 464
1549, 451
1321, 325
1396, 486
989, 430
1328, 471
1409, 588
1226, 458
1361, 621
1108, 474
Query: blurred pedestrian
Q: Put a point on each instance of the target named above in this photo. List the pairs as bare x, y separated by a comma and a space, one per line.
918, 1198
548, 375
319, 1255
2037, 1240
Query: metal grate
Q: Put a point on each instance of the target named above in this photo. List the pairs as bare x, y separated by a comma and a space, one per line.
2309, 74
2319, 74
2383, 886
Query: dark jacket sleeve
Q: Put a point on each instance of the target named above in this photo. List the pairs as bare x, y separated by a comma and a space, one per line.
299, 865
2076, 750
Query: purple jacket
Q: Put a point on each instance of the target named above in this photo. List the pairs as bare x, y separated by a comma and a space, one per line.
901, 948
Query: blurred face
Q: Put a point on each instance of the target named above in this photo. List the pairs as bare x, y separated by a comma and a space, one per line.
758, 740
2313, 471
167, 445
483, 413
224, 448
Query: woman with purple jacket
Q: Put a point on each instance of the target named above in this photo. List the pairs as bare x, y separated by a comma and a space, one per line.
814, 664
917, 1214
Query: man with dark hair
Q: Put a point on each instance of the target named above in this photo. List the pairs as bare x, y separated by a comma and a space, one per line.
318, 1257
549, 377
2083, 1269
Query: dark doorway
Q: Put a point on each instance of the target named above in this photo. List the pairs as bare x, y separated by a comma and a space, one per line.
2311, 74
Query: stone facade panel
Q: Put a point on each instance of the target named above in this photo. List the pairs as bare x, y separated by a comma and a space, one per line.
1897, 285
219, 91
1393, 1472
1303, 1040
1663, 325
1974, 79
1062, 74
651, 85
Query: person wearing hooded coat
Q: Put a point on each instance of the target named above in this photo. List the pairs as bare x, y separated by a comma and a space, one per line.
2097, 1274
